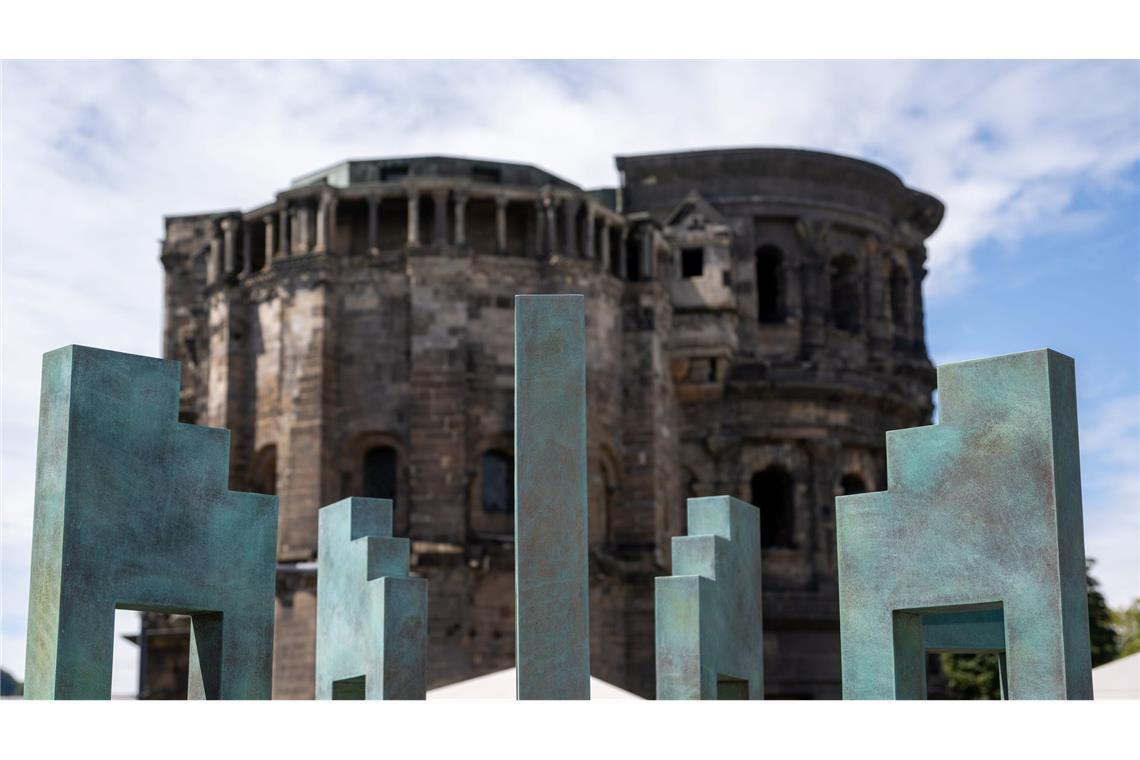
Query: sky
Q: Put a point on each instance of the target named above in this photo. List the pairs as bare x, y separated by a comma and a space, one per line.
1038, 164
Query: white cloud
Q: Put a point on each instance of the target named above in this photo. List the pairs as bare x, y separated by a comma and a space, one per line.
94, 154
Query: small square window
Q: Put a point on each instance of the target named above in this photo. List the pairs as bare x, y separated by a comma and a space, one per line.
692, 262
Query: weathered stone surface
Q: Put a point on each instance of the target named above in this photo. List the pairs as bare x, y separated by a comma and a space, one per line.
710, 622
691, 393
133, 512
978, 543
371, 616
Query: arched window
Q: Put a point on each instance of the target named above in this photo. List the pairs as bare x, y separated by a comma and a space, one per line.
852, 483
379, 471
846, 295
769, 284
263, 474
772, 493
900, 309
498, 483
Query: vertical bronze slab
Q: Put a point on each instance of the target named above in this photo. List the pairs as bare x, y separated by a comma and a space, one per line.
552, 632
709, 615
133, 511
978, 542
371, 614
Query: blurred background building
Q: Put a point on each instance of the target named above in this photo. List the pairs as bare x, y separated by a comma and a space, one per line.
755, 325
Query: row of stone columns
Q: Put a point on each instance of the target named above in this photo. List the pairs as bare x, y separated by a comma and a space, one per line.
292, 230
545, 223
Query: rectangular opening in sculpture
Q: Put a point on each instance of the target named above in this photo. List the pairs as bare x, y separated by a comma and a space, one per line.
965, 676
203, 652
348, 688
160, 646
974, 629
125, 660
728, 687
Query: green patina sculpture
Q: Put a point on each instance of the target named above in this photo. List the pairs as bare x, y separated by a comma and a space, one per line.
710, 623
133, 512
978, 542
371, 616
552, 641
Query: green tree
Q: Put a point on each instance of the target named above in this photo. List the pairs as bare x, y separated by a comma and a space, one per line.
1127, 621
975, 676
9, 686
1103, 644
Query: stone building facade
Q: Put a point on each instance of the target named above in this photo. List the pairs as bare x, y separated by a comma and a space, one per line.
754, 325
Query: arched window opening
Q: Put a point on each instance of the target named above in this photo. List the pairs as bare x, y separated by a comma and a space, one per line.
498, 486
380, 473
769, 284
772, 494
846, 295
851, 484
263, 478
900, 311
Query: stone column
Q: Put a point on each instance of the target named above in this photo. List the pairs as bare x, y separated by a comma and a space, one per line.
648, 259
501, 224
819, 525
551, 226
373, 224
439, 217
214, 264
229, 246
322, 225
330, 232
460, 218
813, 280
246, 250
591, 233
304, 215
623, 248
570, 234
916, 256
283, 239
876, 277
270, 240
413, 217
539, 227
605, 245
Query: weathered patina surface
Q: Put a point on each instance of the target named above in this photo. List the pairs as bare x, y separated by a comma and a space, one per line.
551, 582
710, 622
133, 512
978, 542
371, 616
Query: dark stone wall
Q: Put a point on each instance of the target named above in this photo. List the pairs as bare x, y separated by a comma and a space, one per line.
327, 353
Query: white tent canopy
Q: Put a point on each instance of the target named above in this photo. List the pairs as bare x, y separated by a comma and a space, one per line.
1119, 679
501, 685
